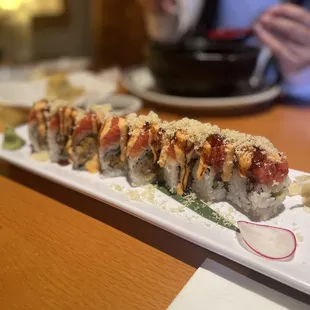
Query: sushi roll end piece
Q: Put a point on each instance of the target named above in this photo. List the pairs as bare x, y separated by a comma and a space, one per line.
37, 125
260, 181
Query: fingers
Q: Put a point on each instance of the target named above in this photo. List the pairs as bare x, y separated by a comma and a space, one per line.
280, 48
294, 12
275, 45
287, 28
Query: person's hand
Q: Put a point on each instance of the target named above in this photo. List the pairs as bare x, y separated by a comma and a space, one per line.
285, 29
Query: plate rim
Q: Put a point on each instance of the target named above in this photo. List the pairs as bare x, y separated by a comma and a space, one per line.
205, 103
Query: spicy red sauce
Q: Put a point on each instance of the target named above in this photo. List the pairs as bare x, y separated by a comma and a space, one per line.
217, 155
171, 152
32, 115
265, 171
54, 122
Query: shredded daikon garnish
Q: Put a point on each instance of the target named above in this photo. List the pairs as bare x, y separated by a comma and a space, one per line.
301, 187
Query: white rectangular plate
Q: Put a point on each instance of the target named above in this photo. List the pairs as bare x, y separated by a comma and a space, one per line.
164, 212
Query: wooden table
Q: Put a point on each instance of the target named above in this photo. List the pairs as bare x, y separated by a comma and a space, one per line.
62, 250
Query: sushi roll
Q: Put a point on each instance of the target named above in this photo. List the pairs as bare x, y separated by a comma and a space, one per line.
61, 124
143, 149
37, 125
112, 146
178, 155
85, 138
259, 181
187, 155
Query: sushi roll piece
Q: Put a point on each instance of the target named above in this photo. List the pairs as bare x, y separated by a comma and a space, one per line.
85, 138
61, 124
178, 155
259, 182
214, 166
112, 146
37, 125
143, 149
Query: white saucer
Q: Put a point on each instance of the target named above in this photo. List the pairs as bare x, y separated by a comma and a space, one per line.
140, 82
24, 93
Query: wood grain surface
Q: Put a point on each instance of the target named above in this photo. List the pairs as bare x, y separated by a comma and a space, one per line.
62, 250
54, 257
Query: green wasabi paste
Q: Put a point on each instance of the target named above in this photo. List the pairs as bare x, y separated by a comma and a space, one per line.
12, 141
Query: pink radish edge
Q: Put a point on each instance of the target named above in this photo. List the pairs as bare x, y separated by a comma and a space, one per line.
272, 227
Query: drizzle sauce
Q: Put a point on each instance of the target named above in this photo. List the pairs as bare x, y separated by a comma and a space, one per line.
217, 155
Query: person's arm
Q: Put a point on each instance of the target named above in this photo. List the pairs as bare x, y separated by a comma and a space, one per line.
285, 29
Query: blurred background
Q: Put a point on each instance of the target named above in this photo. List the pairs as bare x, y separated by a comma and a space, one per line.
178, 56
108, 31
55, 46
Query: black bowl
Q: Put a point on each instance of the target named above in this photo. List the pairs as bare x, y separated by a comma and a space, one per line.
201, 69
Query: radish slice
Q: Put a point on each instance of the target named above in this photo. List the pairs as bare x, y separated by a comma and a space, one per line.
268, 241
